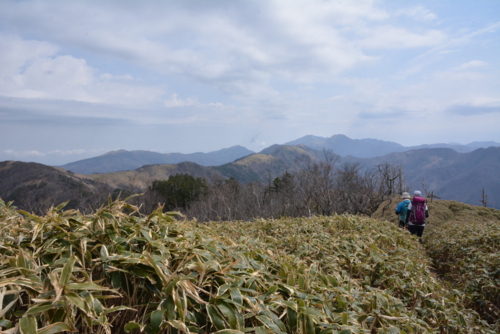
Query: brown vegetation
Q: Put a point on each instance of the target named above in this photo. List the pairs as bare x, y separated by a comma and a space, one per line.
316, 188
36, 187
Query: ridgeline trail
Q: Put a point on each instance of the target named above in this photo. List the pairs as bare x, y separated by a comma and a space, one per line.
116, 271
463, 243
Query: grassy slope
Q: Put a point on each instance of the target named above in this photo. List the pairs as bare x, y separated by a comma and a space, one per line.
141, 178
329, 274
463, 242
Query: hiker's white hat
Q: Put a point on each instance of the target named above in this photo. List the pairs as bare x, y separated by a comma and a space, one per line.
406, 195
417, 193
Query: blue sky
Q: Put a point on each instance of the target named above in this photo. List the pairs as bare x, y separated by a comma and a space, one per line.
81, 78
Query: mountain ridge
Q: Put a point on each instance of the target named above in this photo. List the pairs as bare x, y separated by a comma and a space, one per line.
370, 148
442, 170
451, 175
121, 160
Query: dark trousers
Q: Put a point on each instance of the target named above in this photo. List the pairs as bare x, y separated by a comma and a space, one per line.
402, 223
416, 229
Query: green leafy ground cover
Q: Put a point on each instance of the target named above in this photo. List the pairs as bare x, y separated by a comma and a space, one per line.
115, 271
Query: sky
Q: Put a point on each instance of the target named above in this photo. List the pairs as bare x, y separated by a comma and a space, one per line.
82, 78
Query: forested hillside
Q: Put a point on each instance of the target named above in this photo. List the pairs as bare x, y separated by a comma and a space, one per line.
447, 173
451, 175
274, 181
36, 187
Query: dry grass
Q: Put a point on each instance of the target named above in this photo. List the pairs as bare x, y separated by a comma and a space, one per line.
255, 159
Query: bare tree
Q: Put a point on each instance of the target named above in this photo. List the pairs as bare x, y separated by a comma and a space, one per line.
429, 194
362, 193
391, 179
317, 188
391, 182
348, 184
484, 199
316, 183
229, 200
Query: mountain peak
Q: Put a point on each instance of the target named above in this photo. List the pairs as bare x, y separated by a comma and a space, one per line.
342, 145
340, 136
114, 152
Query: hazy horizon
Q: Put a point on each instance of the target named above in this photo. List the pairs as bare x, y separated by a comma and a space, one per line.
82, 78
64, 162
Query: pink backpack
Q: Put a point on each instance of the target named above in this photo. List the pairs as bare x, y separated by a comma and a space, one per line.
417, 215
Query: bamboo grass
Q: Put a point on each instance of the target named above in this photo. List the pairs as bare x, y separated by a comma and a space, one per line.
116, 271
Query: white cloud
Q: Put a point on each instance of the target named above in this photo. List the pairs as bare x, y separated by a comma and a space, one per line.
391, 37
68, 152
297, 40
33, 69
417, 12
109, 77
471, 64
61, 77
24, 154
485, 101
217, 105
453, 45
174, 101
305, 65
51, 157
431, 95
240, 49
17, 53
20, 154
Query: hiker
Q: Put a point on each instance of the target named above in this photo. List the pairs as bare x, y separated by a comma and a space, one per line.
418, 211
402, 209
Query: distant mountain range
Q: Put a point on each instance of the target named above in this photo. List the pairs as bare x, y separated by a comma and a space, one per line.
450, 174
369, 148
122, 160
344, 146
